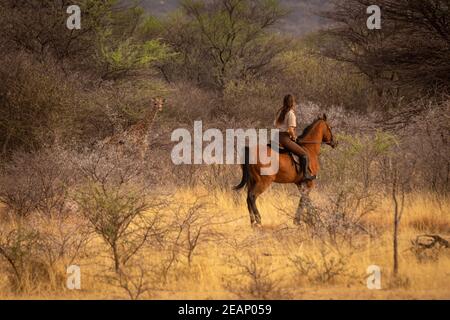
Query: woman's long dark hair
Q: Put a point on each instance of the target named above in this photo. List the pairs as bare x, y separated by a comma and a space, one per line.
288, 104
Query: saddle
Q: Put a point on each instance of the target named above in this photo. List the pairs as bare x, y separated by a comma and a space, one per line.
295, 158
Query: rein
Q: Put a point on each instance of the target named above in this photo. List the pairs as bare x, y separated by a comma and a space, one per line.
312, 142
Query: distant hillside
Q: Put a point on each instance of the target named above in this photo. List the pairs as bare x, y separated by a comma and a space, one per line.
301, 20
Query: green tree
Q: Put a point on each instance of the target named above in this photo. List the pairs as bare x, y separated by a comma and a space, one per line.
224, 40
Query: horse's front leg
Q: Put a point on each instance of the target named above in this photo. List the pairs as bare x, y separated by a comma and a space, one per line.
304, 203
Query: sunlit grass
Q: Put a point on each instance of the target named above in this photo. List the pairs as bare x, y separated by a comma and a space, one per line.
275, 245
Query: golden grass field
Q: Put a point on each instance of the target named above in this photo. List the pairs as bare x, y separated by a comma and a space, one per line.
234, 261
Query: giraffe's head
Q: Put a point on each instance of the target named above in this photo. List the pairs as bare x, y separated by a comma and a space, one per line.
158, 103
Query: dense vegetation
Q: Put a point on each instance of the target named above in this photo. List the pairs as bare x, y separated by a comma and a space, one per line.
225, 62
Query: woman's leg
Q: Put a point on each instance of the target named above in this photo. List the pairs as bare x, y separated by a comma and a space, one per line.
292, 146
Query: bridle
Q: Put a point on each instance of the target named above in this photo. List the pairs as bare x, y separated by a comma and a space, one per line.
331, 142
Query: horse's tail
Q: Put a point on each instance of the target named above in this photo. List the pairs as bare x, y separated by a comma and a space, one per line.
245, 170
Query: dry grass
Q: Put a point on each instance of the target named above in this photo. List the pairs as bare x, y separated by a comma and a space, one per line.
243, 263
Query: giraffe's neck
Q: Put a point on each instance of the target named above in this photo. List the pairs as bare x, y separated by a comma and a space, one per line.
149, 118
144, 125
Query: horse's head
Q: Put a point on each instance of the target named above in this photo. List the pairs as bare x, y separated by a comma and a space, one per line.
318, 132
328, 137
158, 103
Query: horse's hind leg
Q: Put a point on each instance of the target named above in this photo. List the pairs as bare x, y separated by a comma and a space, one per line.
299, 212
250, 206
257, 189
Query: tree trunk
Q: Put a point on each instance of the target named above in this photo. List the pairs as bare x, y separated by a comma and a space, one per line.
396, 222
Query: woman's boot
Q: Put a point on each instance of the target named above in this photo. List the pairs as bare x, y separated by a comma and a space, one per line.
304, 162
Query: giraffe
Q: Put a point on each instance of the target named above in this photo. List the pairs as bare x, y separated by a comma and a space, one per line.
134, 140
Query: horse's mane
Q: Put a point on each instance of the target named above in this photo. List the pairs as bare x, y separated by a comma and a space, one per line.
308, 129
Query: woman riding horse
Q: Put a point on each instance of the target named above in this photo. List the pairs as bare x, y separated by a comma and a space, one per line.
286, 122
308, 144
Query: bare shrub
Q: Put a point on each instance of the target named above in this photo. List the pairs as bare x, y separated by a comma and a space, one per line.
322, 80
424, 133
114, 200
64, 239
353, 177
38, 182
19, 250
36, 251
189, 227
39, 103
328, 267
42, 234
340, 220
195, 227
137, 279
190, 103
243, 99
254, 278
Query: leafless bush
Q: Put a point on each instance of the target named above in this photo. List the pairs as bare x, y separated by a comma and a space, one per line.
343, 121
138, 278
37, 181
195, 227
63, 237
35, 252
189, 103
189, 227
340, 220
323, 80
223, 177
326, 268
40, 103
425, 136
114, 199
19, 248
352, 177
243, 99
37, 248
255, 278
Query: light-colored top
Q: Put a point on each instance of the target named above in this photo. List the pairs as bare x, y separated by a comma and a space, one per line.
289, 121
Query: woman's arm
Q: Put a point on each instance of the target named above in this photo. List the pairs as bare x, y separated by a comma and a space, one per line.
292, 123
292, 133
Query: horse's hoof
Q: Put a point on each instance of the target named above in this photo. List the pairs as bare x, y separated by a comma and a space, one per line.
256, 225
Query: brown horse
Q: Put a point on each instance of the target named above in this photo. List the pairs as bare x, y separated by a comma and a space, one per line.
311, 139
